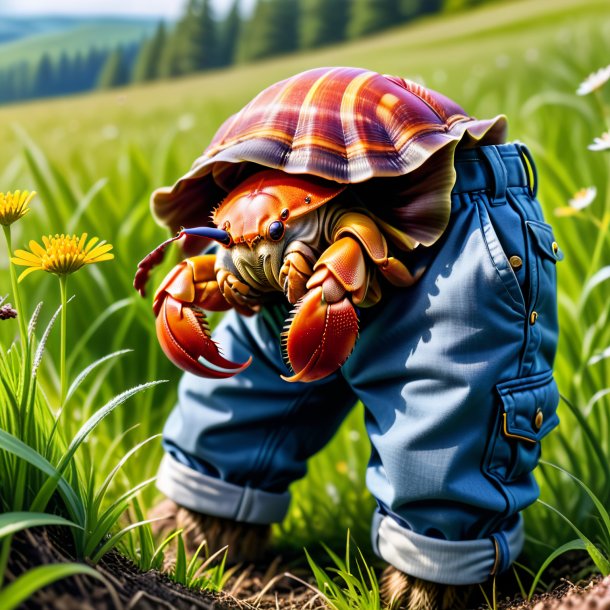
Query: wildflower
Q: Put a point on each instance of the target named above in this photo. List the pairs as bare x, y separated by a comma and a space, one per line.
594, 81
7, 312
601, 143
14, 205
580, 200
62, 254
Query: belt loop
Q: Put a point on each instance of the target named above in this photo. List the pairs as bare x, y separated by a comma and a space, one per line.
501, 552
530, 168
498, 171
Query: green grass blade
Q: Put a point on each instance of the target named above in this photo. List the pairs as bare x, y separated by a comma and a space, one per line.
99, 496
600, 507
105, 523
179, 574
44, 495
147, 543
84, 204
15, 522
573, 545
115, 538
37, 578
75, 351
73, 502
592, 437
157, 558
89, 369
602, 564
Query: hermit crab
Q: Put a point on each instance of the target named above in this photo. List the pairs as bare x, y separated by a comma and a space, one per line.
317, 189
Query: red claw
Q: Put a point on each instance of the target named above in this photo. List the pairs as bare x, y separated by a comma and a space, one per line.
182, 328
320, 337
184, 335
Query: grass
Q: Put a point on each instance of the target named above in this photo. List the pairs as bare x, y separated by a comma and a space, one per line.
95, 159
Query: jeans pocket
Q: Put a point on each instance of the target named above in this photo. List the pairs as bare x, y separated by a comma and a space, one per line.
499, 259
542, 273
527, 414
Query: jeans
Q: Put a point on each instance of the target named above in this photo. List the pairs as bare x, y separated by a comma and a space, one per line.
455, 374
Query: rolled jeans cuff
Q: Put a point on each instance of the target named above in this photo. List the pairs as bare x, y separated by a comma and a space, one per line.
211, 496
447, 562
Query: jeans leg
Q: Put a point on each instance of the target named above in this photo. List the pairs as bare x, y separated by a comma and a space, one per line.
456, 379
234, 445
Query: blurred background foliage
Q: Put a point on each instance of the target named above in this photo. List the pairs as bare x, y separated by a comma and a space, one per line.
94, 159
85, 54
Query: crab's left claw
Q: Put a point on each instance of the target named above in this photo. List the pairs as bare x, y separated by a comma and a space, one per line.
184, 336
182, 327
323, 328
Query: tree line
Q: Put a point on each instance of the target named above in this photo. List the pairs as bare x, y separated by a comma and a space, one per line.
199, 41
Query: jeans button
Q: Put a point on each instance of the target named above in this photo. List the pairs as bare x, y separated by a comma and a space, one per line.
515, 262
538, 419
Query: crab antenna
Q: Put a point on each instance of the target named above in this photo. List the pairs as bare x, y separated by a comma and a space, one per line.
218, 235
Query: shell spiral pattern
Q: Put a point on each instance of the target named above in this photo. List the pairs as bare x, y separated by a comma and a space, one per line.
348, 125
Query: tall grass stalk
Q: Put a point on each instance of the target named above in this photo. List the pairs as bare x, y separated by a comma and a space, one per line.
21, 315
63, 286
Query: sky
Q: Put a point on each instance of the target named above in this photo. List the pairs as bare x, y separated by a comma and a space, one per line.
135, 8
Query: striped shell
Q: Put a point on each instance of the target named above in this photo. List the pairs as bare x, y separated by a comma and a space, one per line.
348, 125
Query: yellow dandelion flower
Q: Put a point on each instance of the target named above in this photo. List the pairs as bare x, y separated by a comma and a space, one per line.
14, 205
62, 254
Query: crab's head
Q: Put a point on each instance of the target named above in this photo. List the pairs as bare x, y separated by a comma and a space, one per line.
264, 214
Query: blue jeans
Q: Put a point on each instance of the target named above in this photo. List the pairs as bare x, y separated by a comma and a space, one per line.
455, 374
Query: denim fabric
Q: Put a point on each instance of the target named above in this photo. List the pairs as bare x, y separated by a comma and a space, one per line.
455, 374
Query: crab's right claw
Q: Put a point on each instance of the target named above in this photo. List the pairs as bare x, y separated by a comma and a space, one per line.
182, 327
320, 336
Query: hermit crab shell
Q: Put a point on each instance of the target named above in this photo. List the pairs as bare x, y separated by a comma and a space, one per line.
392, 136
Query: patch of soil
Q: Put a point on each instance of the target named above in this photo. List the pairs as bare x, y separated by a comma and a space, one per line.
249, 588
593, 595
130, 589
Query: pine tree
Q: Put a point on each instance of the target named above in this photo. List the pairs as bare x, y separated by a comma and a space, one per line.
147, 62
322, 22
42, 84
193, 42
79, 72
228, 33
272, 30
368, 16
410, 9
114, 72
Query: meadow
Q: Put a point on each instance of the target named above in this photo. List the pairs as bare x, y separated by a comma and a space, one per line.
94, 161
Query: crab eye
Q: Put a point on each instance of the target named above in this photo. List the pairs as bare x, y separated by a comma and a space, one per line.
276, 230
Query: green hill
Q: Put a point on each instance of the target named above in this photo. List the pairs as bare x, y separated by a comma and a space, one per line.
507, 41
69, 35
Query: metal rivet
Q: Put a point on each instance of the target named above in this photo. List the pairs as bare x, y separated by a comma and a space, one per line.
538, 419
308, 199
555, 247
533, 317
515, 262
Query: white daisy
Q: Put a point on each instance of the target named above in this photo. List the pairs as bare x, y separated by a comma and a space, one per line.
580, 200
594, 81
583, 198
601, 143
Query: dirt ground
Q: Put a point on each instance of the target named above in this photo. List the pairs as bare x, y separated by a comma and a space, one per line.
130, 589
